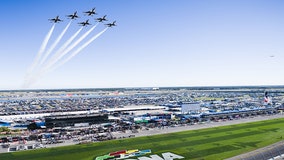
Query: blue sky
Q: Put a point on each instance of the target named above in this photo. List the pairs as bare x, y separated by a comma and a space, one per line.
156, 43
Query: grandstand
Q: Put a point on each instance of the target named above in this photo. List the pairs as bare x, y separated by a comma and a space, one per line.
71, 120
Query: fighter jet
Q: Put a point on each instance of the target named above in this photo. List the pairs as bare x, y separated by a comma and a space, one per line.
84, 23
56, 19
111, 24
91, 12
73, 16
102, 19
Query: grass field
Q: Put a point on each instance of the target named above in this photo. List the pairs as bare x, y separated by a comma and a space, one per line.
212, 143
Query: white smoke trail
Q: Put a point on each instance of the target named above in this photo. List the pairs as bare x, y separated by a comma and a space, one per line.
41, 50
70, 47
60, 53
79, 49
28, 75
61, 49
54, 44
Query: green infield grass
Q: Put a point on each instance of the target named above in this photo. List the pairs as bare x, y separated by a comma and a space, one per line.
211, 143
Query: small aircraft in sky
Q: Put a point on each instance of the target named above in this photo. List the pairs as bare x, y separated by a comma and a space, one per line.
56, 19
102, 19
73, 16
111, 24
85, 23
91, 12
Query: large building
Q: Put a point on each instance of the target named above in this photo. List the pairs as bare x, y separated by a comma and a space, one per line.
71, 120
190, 108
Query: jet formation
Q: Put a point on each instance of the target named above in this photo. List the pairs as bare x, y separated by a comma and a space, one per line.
86, 22
60, 52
